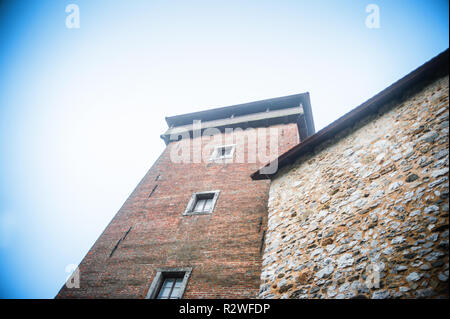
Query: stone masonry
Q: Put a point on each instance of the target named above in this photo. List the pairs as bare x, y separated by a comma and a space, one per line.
366, 214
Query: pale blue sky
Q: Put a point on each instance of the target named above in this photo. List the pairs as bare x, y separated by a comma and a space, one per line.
81, 110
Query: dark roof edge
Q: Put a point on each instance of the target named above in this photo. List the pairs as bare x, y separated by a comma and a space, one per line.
433, 69
238, 109
308, 115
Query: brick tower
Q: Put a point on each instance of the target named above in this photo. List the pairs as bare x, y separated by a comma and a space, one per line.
194, 226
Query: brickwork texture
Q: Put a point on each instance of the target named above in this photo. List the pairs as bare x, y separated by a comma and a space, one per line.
150, 231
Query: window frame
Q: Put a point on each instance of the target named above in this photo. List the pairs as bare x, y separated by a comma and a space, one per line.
170, 281
164, 273
190, 209
215, 155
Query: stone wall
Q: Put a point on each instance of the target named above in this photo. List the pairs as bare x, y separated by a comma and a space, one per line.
367, 213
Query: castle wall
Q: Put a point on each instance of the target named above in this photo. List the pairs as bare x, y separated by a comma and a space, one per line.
224, 248
371, 203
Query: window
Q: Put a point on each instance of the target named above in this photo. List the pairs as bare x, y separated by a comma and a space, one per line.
222, 152
169, 283
202, 203
170, 288
225, 151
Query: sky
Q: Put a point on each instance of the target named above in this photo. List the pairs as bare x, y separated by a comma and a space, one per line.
81, 109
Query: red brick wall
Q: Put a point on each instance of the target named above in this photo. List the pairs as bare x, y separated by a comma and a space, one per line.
223, 248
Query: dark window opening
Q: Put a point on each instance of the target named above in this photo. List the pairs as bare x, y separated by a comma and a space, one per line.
260, 224
169, 283
202, 203
262, 242
119, 241
225, 151
153, 190
171, 287
222, 152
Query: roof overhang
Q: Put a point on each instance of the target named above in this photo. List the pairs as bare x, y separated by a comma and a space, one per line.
414, 81
282, 110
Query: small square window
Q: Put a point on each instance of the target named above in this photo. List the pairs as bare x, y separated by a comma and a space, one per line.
222, 152
169, 283
202, 203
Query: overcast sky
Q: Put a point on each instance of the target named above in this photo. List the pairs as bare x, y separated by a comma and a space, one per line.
81, 109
